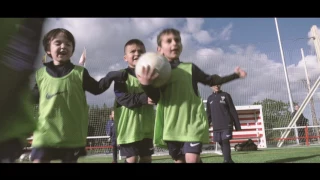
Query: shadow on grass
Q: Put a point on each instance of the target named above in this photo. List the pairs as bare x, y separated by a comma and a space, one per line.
212, 156
203, 156
245, 152
155, 158
233, 154
208, 155
294, 159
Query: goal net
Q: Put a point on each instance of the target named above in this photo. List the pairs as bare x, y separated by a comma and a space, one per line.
265, 85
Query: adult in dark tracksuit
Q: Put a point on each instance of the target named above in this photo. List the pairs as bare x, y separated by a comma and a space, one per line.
113, 137
302, 121
223, 116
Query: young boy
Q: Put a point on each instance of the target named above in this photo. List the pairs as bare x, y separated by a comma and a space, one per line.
223, 115
134, 113
181, 121
63, 111
19, 46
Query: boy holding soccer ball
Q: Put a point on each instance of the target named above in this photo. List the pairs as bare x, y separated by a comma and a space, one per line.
181, 121
134, 114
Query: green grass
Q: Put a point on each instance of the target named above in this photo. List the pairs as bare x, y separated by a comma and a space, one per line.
275, 155
301, 154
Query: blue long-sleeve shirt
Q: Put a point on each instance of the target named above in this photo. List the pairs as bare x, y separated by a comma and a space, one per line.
111, 131
108, 127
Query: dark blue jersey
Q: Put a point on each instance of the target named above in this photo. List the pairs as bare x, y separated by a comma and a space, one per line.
222, 112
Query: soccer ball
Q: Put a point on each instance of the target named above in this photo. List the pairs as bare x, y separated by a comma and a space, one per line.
159, 63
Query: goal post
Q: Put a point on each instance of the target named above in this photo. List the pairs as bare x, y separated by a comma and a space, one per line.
316, 41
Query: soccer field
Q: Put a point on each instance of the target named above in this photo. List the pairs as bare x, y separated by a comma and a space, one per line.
303, 154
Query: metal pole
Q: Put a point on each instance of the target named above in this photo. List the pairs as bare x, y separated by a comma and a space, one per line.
313, 111
285, 73
299, 112
284, 66
316, 41
305, 69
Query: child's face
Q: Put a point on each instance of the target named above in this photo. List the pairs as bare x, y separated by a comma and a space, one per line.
171, 46
216, 88
132, 54
112, 115
61, 49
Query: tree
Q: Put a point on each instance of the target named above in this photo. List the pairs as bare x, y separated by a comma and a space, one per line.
276, 114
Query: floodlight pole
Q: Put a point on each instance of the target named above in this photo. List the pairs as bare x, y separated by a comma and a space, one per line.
285, 73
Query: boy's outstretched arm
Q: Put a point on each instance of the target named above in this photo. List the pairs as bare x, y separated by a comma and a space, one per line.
98, 87
152, 93
211, 80
129, 100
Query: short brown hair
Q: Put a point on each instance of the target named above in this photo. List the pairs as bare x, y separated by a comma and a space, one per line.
134, 41
52, 34
167, 31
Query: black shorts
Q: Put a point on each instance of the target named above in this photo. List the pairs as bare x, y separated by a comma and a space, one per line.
140, 148
179, 149
221, 135
63, 154
10, 150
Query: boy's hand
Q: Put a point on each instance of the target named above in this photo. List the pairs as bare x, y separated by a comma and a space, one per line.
150, 102
240, 72
147, 76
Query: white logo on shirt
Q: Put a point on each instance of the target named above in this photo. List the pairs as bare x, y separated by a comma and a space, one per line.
76, 153
222, 99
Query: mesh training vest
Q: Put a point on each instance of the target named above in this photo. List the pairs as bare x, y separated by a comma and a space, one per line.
63, 110
134, 124
180, 114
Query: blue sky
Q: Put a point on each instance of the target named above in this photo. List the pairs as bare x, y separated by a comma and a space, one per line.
252, 30
216, 45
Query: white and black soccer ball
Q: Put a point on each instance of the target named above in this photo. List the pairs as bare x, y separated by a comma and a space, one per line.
159, 63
